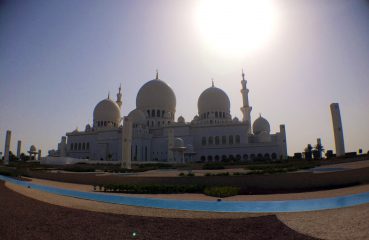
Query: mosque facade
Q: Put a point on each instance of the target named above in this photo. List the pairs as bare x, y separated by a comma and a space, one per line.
156, 136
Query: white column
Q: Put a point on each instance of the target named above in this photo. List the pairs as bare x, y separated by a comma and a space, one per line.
126, 143
63, 146
282, 129
19, 146
7, 147
170, 144
337, 129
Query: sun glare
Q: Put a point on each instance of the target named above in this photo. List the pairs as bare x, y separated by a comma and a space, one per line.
236, 27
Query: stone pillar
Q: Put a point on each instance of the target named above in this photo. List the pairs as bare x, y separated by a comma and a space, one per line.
126, 143
170, 144
63, 146
19, 146
282, 129
7, 147
337, 129
39, 155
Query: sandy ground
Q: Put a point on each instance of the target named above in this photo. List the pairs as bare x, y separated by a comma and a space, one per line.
26, 218
189, 196
344, 223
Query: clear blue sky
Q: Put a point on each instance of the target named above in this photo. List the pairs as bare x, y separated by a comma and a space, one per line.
58, 59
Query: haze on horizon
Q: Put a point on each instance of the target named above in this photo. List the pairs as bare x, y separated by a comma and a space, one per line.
58, 59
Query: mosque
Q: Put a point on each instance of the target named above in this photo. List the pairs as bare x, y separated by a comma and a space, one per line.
152, 134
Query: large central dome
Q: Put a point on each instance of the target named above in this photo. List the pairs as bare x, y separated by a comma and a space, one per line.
156, 95
213, 100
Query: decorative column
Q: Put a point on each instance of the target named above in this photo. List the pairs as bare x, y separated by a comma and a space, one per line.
170, 144
282, 130
126, 143
7, 147
337, 129
19, 146
39, 155
245, 109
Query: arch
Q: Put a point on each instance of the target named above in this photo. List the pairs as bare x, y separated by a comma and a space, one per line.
216, 158
88, 146
210, 140
260, 155
238, 139
152, 113
71, 146
224, 158
148, 113
79, 146
83, 146
75, 146
238, 157
158, 113
252, 156
210, 158
217, 140
216, 114
266, 156
203, 158
231, 157
245, 157
162, 113
274, 155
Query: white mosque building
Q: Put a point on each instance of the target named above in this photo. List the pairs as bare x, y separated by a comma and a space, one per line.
156, 136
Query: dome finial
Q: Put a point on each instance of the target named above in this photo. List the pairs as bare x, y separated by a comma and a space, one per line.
259, 115
212, 82
109, 95
243, 75
120, 87
157, 74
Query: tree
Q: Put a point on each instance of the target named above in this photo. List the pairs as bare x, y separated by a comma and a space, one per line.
308, 152
319, 149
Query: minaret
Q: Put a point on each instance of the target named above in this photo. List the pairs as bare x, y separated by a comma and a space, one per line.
157, 75
246, 109
119, 97
337, 129
19, 146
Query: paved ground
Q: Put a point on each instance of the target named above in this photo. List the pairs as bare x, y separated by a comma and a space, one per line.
26, 218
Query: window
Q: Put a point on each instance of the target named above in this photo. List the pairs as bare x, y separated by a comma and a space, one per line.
224, 158
210, 140
158, 113
266, 156
148, 113
210, 158
238, 157
217, 140
245, 157
203, 158
216, 158
216, 114
152, 113
75, 146
203, 141
238, 139
224, 140
162, 113
88, 146
79, 146
230, 139
71, 146
83, 146
274, 155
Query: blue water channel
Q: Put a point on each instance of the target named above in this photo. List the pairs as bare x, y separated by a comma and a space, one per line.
210, 206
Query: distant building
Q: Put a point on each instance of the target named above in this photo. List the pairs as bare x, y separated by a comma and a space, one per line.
211, 136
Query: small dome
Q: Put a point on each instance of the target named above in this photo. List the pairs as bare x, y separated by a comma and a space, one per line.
178, 143
213, 100
137, 117
88, 128
181, 120
261, 125
236, 120
33, 148
156, 94
106, 111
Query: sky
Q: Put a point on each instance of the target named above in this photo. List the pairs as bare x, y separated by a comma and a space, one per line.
58, 59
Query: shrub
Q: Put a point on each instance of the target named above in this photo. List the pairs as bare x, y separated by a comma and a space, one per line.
221, 191
151, 188
213, 166
181, 174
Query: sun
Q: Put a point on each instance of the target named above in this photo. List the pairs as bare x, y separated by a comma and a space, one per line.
236, 27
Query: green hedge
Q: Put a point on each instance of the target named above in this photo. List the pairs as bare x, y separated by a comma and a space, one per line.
149, 188
213, 166
221, 191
